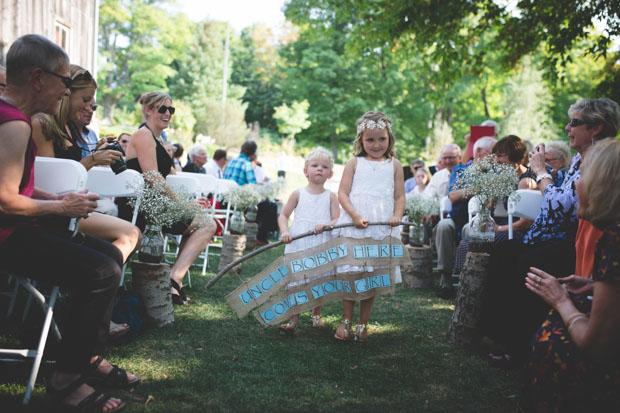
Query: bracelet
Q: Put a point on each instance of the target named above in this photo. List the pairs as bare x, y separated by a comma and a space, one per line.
92, 155
572, 317
572, 323
543, 176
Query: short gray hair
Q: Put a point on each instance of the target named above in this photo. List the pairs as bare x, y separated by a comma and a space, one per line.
451, 146
195, 150
490, 122
601, 111
30, 52
560, 149
484, 142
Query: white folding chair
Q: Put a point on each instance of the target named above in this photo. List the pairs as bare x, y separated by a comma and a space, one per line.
445, 206
104, 182
56, 176
524, 203
186, 183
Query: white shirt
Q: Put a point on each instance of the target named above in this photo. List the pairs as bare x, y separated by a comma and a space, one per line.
439, 185
213, 169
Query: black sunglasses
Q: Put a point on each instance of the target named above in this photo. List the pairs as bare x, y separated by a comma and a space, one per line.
574, 122
65, 79
93, 106
2, 84
163, 109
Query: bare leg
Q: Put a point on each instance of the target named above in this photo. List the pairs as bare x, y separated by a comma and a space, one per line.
190, 250
317, 322
366, 309
344, 329
61, 380
124, 235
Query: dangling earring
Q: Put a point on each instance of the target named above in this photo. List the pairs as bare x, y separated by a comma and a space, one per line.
592, 139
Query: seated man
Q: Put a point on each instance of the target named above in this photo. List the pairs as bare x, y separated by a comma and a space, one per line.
445, 233
197, 157
215, 165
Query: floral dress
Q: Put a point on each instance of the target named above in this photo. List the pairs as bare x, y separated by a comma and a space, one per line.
558, 376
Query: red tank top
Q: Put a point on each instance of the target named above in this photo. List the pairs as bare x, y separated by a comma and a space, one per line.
8, 223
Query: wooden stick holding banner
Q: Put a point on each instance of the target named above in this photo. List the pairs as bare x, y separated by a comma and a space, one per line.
275, 244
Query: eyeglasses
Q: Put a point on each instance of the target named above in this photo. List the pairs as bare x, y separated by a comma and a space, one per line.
550, 159
2, 85
574, 122
449, 157
93, 106
65, 79
163, 109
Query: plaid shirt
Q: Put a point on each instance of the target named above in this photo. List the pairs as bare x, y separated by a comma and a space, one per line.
240, 170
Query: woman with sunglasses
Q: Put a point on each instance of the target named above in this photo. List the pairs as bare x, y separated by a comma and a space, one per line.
511, 313
146, 152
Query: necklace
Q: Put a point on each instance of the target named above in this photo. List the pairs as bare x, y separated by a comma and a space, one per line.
375, 164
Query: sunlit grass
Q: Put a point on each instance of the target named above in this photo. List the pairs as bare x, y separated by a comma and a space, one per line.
209, 360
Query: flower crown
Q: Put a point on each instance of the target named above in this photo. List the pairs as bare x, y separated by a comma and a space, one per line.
371, 124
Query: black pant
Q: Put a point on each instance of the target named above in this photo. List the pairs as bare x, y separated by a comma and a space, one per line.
511, 312
90, 270
267, 219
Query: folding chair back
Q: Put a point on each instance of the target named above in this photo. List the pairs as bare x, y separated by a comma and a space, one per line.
445, 206
524, 203
56, 176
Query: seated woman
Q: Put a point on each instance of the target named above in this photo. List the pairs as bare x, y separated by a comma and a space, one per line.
37, 77
57, 137
557, 156
146, 152
511, 313
574, 360
422, 178
509, 150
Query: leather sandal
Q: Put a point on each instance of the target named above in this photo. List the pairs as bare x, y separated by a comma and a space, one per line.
181, 298
361, 333
346, 331
116, 378
317, 322
94, 402
288, 328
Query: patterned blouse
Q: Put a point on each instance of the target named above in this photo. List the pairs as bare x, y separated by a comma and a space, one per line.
558, 213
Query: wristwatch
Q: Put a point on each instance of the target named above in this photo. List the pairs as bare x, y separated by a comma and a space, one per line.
543, 176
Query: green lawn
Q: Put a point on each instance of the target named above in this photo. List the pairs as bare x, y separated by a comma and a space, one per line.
209, 360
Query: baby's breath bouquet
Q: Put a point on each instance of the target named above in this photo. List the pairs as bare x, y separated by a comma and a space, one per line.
417, 209
159, 207
491, 182
244, 196
271, 190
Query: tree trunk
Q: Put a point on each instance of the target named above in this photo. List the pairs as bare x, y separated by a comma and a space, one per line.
152, 283
232, 249
251, 228
484, 100
465, 326
419, 275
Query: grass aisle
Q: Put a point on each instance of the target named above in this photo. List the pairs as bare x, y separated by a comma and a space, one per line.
209, 360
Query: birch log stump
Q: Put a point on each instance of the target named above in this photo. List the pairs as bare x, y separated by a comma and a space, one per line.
232, 249
465, 326
420, 274
251, 228
152, 283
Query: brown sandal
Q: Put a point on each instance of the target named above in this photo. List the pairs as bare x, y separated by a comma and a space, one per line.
346, 330
288, 328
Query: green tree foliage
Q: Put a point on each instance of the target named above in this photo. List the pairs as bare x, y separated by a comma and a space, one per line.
291, 120
223, 123
255, 67
138, 40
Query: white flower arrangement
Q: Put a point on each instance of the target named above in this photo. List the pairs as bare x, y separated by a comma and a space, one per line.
271, 190
160, 208
244, 196
419, 207
489, 180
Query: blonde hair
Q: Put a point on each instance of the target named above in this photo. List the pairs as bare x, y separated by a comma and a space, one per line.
153, 99
374, 115
54, 127
601, 179
321, 154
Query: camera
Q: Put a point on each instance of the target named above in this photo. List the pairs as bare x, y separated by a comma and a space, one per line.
119, 165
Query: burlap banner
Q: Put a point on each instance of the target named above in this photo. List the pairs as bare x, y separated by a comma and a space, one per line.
267, 289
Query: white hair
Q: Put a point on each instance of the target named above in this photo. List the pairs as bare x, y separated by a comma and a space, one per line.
484, 142
452, 147
195, 150
490, 122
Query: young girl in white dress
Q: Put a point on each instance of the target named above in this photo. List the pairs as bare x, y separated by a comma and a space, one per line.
371, 190
315, 207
